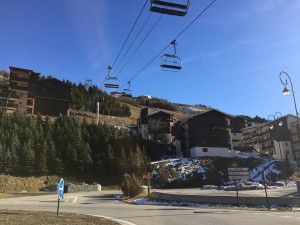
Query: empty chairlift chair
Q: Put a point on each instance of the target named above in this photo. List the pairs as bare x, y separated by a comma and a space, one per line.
170, 62
111, 82
127, 90
175, 8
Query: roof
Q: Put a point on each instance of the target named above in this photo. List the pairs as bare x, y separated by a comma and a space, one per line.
204, 112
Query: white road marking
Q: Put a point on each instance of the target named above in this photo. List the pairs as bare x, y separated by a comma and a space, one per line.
286, 216
114, 219
75, 199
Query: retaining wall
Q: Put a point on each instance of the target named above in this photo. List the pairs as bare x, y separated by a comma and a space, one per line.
280, 201
82, 188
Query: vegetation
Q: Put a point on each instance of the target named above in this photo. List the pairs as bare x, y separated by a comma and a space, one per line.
151, 102
85, 98
31, 146
131, 186
255, 119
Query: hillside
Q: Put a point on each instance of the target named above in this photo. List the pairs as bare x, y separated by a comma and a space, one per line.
115, 120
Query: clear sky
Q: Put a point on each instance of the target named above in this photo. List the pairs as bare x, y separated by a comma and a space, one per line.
231, 55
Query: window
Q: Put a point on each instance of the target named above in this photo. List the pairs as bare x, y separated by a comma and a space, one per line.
286, 144
205, 150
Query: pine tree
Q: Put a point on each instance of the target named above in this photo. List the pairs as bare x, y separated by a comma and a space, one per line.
28, 158
84, 157
1, 159
122, 162
41, 160
7, 162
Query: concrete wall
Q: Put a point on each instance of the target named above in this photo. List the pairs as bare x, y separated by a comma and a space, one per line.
211, 151
281, 201
284, 146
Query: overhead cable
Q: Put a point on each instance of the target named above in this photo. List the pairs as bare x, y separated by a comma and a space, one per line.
129, 33
140, 44
197, 17
133, 41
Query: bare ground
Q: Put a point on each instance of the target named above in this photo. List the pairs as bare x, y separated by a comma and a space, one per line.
20, 217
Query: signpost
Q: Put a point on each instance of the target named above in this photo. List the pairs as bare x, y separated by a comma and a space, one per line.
148, 176
263, 174
238, 173
60, 193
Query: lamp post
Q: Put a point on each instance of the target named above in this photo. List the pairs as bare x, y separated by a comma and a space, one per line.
286, 92
273, 126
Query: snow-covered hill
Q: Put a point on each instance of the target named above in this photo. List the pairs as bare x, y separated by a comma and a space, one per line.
187, 172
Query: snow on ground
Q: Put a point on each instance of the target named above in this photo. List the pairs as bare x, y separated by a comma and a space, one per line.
187, 167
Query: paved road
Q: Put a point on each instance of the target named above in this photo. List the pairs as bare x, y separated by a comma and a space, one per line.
108, 204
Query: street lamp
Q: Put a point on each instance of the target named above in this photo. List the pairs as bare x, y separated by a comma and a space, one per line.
286, 92
273, 127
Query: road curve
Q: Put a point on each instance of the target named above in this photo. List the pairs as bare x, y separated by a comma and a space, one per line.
107, 204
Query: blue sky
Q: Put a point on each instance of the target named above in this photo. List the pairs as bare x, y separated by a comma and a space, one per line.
231, 56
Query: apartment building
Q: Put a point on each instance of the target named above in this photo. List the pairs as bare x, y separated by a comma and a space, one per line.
25, 91
205, 134
155, 125
295, 130
273, 138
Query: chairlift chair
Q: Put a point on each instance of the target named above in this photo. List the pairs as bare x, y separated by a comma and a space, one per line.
170, 62
108, 78
127, 92
170, 8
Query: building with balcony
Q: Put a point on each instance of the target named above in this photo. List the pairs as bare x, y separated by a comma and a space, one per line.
155, 125
205, 134
295, 130
273, 138
25, 91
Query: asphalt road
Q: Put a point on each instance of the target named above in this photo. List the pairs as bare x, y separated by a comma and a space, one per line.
108, 204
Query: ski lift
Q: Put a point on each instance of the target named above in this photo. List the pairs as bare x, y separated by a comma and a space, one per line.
170, 62
111, 82
128, 90
170, 8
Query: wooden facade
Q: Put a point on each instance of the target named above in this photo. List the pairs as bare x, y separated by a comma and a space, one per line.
26, 92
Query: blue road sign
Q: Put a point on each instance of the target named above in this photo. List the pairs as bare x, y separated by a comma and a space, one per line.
61, 189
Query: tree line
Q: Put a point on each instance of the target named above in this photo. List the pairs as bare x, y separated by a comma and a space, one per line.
150, 102
32, 145
86, 97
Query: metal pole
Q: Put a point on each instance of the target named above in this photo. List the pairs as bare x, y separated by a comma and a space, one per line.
148, 185
264, 179
275, 132
295, 104
57, 206
97, 118
237, 193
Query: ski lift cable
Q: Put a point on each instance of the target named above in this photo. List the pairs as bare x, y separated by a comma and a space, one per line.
133, 41
140, 44
129, 33
147, 65
197, 17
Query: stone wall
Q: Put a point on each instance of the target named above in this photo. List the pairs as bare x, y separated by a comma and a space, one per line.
82, 188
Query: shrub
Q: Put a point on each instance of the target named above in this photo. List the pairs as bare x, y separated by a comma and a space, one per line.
131, 186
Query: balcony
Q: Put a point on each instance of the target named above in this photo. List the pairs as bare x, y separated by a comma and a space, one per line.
8, 105
15, 77
19, 88
9, 95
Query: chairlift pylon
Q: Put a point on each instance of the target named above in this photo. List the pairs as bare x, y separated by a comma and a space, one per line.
170, 62
109, 80
176, 8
